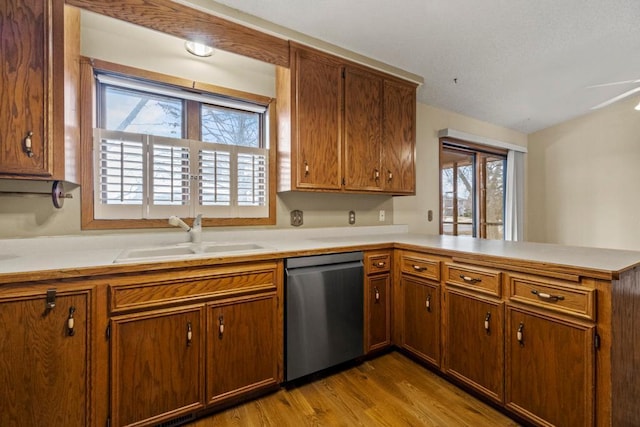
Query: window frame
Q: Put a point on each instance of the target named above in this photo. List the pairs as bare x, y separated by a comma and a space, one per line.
88, 115
480, 154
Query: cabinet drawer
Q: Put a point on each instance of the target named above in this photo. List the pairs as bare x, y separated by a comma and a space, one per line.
143, 292
480, 279
419, 265
553, 295
377, 262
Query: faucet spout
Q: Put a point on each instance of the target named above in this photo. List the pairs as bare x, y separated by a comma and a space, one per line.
195, 231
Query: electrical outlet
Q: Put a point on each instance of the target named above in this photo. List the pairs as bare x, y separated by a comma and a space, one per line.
297, 218
352, 217
381, 216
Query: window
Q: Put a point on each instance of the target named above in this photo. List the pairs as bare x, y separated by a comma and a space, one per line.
472, 190
160, 150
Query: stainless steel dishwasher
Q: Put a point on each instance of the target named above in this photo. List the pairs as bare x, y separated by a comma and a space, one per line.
324, 312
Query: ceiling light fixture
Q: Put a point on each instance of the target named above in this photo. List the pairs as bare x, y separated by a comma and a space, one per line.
198, 49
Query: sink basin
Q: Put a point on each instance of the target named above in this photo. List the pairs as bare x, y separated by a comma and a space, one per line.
230, 247
159, 252
188, 250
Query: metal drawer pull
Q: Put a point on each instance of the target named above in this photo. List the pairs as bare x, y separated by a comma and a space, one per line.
486, 322
221, 326
28, 146
520, 333
377, 294
548, 297
418, 268
380, 264
470, 279
189, 334
71, 322
427, 303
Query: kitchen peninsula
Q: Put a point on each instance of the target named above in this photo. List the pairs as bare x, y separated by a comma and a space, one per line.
560, 320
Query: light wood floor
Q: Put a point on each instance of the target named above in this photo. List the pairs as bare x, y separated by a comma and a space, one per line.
390, 390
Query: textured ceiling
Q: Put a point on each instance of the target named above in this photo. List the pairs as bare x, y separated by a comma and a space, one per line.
521, 64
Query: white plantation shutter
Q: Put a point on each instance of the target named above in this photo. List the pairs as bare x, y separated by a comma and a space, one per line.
253, 185
170, 177
119, 166
144, 176
214, 187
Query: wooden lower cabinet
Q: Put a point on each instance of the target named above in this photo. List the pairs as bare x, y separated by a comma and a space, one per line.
474, 344
182, 343
378, 312
157, 367
242, 346
44, 358
420, 329
550, 368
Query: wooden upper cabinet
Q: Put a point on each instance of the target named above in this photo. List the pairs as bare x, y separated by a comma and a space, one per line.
363, 130
399, 135
33, 75
343, 127
310, 122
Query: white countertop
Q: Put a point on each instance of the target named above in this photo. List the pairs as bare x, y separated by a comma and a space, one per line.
73, 252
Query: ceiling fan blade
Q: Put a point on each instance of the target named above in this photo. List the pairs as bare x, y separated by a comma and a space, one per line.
624, 82
617, 98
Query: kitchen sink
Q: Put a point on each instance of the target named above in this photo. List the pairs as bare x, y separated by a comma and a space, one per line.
230, 247
186, 250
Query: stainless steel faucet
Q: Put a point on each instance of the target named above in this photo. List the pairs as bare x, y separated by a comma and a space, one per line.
195, 231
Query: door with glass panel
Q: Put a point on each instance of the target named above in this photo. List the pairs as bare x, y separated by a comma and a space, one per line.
472, 188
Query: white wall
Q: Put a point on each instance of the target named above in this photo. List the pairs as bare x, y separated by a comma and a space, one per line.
412, 210
583, 180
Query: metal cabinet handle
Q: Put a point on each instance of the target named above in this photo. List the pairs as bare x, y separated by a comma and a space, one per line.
470, 279
220, 326
306, 168
427, 303
376, 174
486, 322
377, 293
389, 176
380, 264
547, 297
28, 144
71, 323
520, 333
418, 268
189, 334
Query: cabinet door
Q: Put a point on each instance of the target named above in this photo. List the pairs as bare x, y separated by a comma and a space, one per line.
378, 312
550, 368
43, 365
398, 141
318, 121
363, 130
474, 348
242, 347
421, 318
26, 101
156, 365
